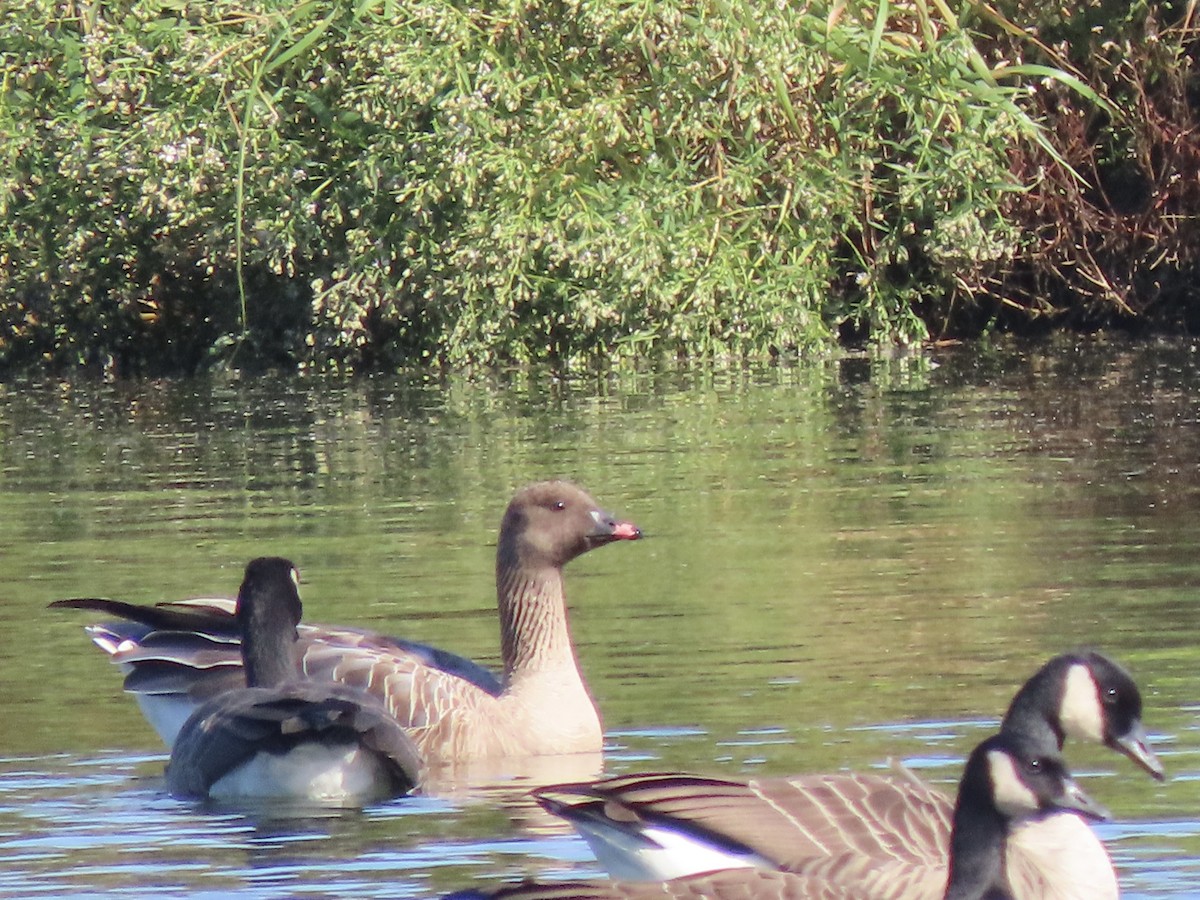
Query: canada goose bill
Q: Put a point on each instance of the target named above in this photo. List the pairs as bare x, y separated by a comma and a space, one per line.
177, 655
1135, 744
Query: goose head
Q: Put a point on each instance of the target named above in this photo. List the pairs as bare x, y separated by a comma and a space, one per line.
268, 611
1088, 697
549, 523
1009, 779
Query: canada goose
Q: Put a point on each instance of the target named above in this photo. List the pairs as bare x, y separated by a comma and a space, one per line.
178, 654
1007, 781
282, 737
660, 826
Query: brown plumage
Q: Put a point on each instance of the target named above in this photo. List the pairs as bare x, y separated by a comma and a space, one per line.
734, 884
895, 829
455, 711
1007, 784
788, 822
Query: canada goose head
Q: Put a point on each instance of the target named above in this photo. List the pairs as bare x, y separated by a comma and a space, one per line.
549, 523
268, 611
1008, 779
1088, 697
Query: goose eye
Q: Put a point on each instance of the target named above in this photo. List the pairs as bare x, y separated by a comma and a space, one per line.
560, 505
1110, 696
1035, 765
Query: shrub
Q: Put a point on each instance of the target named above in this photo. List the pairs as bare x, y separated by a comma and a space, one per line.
373, 184
1113, 217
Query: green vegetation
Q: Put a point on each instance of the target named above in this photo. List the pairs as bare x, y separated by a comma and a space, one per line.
372, 184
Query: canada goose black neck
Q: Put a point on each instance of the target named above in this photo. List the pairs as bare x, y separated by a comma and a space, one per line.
1035, 711
268, 611
977, 841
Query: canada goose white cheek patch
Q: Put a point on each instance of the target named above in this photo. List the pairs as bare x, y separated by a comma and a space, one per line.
1081, 713
1012, 797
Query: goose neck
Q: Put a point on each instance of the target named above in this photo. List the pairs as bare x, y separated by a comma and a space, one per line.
533, 620
270, 655
1033, 713
976, 852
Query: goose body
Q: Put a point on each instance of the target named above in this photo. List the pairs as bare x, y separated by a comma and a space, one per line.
658, 826
1007, 783
177, 655
321, 744
282, 737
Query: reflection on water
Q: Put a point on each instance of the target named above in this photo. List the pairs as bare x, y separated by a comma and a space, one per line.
847, 562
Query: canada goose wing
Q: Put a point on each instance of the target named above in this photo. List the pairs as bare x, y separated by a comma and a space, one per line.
732, 884
202, 633
164, 678
1056, 857
890, 878
785, 823
885, 817
195, 635
187, 648
190, 649
235, 726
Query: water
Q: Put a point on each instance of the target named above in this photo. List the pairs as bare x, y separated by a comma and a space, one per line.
847, 562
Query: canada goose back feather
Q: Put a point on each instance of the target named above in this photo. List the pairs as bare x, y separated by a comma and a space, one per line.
317, 743
732, 884
773, 822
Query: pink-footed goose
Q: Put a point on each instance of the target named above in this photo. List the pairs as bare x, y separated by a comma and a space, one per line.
660, 826
283, 737
1007, 781
176, 655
